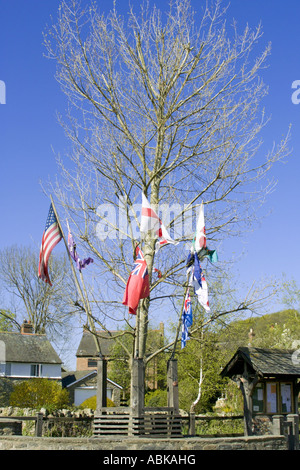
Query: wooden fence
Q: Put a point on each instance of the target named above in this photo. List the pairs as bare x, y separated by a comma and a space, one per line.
155, 422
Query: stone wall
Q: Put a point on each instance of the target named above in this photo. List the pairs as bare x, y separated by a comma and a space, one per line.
117, 444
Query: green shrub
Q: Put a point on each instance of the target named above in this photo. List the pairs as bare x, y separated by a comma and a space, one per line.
37, 393
156, 399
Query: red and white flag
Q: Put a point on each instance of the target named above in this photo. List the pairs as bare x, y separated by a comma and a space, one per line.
51, 237
138, 286
199, 241
151, 222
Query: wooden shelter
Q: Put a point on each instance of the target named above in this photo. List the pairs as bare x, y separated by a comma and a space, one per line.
268, 379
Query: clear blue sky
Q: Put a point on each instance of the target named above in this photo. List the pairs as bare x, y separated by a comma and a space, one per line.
29, 128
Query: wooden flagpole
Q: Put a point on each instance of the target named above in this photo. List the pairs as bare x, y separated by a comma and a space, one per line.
84, 298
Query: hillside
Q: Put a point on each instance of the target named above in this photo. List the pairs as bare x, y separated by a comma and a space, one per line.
276, 330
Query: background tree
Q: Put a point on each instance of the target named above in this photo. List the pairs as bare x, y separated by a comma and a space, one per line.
49, 308
168, 104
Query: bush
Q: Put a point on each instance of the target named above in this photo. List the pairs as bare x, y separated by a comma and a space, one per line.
156, 399
38, 393
91, 403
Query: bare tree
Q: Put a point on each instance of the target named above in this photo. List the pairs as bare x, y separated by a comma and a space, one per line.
47, 308
165, 104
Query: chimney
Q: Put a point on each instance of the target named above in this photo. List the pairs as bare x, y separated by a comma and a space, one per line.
27, 328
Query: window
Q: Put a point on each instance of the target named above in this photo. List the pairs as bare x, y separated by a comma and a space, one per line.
286, 397
92, 363
258, 398
36, 370
5, 369
273, 397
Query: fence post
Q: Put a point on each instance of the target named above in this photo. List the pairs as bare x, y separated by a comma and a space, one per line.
192, 423
277, 425
101, 385
39, 425
294, 420
172, 385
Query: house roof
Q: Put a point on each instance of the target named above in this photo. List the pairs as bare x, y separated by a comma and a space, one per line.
264, 362
87, 347
26, 348
77, 377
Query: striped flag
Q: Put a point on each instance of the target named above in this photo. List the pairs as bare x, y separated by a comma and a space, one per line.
51, 237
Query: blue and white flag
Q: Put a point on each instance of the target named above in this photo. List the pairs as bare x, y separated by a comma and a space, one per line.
197, 280
187, 319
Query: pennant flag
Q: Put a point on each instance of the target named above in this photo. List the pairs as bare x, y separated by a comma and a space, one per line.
138, 286
187, 319
206, 253
151, 221
51, 237
73, 252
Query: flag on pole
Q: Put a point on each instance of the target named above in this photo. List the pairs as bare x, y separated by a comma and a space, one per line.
138, 286
199, 241
73, 252
187, 319
51, 237
197, 280
201, 290
199, 244
151, 221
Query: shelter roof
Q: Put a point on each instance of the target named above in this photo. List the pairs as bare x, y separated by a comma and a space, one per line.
264, 362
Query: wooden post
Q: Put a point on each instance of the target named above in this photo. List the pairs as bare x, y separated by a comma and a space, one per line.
294, 420
172, 385
101, 384
137, 386
247, 384
39, 425
192, 423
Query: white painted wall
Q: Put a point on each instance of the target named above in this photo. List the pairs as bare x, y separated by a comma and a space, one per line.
51, 371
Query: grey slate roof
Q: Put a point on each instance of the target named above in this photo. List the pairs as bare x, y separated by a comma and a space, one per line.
264, 362
30, 348
77, 377
87, 347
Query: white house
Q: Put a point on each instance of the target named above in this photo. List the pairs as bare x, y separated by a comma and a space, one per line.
82, 385
25, 355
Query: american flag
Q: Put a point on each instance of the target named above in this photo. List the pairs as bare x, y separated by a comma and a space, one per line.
51, 237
